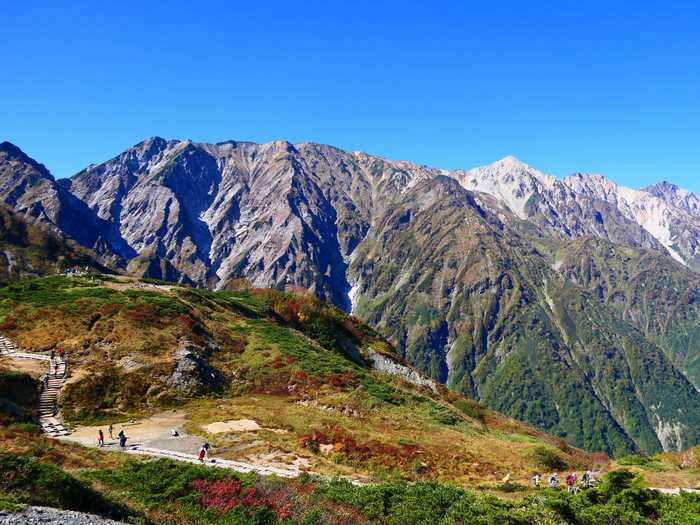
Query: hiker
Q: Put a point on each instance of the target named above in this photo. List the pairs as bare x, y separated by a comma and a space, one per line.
202, 453
100, 438
110, 429
554, 480
53, 354
586, 478
570, 482
206, 450
122, 439
62, 353
46, 380
174, 433
535, 479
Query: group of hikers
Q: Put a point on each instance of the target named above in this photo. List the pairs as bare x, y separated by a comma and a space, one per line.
121, 436
203, 450
76, 271
587, 481
55, 359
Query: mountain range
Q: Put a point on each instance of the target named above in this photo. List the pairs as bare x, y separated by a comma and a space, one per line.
570, 304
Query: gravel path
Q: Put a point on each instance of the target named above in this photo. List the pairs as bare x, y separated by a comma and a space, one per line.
49, 516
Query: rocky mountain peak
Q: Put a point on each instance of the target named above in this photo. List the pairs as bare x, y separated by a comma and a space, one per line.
511, 162
676, 196
509, 180
12, 153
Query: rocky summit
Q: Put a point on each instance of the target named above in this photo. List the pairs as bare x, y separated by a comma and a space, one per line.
570, 304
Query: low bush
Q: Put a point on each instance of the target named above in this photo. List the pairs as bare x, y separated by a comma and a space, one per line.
18, 397
548, 458
25, 480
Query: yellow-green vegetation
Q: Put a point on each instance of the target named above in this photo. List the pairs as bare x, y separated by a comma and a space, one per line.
667, 469
296, 366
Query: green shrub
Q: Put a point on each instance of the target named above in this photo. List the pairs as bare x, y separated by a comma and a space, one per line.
19, 395
471, 408
548, 458
25, 480
634, 459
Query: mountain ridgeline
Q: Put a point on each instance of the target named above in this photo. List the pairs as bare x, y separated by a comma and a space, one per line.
570, 304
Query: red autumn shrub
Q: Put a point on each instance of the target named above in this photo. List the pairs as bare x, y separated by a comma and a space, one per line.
224, 495
339, 380
109, 309
143, 314
8, 323
300, 375
277, 362
221, 495
346, 444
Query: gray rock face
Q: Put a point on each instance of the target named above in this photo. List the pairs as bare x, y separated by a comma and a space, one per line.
276, 213
390, 366
192, 373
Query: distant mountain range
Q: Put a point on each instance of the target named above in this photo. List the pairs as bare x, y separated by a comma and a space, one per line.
571, 304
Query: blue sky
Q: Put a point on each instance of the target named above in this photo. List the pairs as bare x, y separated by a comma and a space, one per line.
608, 87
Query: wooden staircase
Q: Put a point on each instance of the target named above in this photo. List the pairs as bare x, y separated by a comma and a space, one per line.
48, 401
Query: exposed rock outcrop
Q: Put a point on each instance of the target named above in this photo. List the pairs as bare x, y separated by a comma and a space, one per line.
192, 373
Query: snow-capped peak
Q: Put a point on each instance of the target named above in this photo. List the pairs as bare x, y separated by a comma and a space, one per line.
509, 180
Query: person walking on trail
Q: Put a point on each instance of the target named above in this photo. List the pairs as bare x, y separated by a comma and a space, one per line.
100, 438
535, 479
110, 429
570, 482
202, 453
554, 480
62, 353
122, 439
46, 380
53, 355
206, 450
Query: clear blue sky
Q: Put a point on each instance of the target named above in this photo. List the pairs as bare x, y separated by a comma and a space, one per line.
610, 87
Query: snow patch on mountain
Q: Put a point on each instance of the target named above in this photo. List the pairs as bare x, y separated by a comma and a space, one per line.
352, 296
